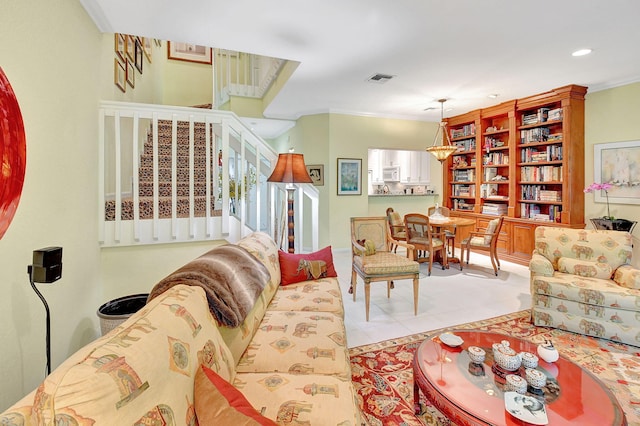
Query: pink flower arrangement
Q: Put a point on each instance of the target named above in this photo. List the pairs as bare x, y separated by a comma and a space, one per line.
601, 187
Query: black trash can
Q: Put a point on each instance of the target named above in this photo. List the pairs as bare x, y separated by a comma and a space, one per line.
116, 311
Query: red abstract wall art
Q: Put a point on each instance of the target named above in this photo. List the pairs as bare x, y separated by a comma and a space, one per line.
13, 153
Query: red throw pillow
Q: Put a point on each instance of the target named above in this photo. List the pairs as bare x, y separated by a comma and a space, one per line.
295, 268
216, 401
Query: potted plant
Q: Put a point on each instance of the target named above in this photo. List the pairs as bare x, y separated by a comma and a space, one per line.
608, 221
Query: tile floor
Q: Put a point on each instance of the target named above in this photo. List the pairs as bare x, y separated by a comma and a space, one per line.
446, 298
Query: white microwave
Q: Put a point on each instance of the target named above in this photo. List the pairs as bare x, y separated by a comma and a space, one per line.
391, 174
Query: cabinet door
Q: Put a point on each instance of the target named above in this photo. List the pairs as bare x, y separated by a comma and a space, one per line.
375, 165
419, 167
522, 239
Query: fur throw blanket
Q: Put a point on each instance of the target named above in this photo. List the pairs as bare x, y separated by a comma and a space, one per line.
231, 277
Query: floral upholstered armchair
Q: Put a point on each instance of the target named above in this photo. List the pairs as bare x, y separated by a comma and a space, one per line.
583, 281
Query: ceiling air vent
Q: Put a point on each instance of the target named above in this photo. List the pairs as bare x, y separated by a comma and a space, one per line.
380, 78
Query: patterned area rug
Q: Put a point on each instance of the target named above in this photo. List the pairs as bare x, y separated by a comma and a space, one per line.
383, 377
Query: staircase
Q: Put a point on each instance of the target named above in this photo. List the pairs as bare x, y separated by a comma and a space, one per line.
165, 175
176, 150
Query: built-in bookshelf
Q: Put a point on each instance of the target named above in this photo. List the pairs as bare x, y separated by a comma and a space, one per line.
463, 168
523, 159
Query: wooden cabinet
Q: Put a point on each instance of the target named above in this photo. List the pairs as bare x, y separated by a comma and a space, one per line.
523, 159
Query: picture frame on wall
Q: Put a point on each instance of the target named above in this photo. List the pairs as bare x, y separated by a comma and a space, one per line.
147, 47
316, 171
130, 47
189, 52
120, 75
139, 55
131, 74
349, 176
617, 163
120, 42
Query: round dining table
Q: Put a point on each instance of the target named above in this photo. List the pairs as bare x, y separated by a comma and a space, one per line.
453, 224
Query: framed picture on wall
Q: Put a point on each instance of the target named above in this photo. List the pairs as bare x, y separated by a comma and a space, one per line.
316, 171
189, 52
120, 41
130, 47
147, 47
120, 75
139, 56
349, 176
131, 74
617, 163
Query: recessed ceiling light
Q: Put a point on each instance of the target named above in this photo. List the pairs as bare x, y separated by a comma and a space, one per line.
493, 95
581, 52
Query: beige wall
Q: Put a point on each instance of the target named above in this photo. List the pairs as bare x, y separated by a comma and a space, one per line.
51, 53
187, 83
611, 116
324, 138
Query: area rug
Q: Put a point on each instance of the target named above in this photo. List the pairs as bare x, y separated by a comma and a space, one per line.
383, 377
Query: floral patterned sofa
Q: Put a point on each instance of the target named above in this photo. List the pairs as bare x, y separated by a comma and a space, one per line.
583, 281
173, 363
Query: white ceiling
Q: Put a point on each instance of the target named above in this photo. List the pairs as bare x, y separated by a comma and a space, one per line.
462, 50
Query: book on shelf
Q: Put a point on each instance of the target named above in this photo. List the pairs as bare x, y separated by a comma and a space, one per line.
554, 114
535, 117
466, 130
494, 209
538, 134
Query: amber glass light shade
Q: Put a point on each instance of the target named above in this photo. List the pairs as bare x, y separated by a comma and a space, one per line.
290, 168
442, 152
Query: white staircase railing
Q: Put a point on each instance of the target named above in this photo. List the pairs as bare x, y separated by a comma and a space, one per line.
242, 74
192, 204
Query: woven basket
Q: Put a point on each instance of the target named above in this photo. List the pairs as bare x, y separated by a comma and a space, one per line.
117, 311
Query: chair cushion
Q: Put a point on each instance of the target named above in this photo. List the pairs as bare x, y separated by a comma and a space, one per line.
491, 228
395, 219
383, 263
585, 268
479, 241
437, 242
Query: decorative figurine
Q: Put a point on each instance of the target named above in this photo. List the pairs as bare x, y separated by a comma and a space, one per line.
547, 352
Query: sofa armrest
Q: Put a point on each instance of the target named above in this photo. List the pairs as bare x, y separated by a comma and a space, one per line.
540, 265
627, 276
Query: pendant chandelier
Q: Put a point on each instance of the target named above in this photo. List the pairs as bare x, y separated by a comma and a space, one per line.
442, 152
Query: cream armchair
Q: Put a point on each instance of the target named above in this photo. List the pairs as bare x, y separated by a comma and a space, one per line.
373, 260
582, 281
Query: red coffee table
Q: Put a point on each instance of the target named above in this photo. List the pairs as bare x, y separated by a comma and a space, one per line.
471, 394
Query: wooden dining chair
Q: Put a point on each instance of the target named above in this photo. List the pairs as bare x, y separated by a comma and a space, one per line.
426, 242
484, 241
449, 235
373, 260
396, 224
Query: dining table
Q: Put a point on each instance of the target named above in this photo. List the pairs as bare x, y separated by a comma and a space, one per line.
453, 224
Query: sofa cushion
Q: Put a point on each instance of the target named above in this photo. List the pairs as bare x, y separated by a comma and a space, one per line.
286, 341
296, 268
310, 296
611, 247
593, 291
304, 399
627, 276
584, 268
216, 401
